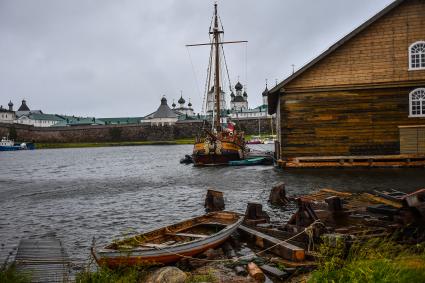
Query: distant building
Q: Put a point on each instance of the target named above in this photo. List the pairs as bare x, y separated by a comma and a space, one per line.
211, 100
39, 119
363, 96
182, 109
164, 115
7, 115
239, 101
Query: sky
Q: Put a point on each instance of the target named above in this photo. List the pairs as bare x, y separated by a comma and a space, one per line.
117, 58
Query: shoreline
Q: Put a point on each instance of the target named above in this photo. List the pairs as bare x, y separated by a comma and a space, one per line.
110, 144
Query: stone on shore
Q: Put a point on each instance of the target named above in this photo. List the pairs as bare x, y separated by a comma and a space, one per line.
169, 274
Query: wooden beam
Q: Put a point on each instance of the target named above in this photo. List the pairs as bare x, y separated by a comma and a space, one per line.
282, 249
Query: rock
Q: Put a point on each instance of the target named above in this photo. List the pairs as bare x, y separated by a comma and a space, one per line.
168, 274
213, 254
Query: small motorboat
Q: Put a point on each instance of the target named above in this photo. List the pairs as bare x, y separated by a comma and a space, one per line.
186, 160
249, 162
171, 243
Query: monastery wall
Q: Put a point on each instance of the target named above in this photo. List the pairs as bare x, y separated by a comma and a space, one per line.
111, 133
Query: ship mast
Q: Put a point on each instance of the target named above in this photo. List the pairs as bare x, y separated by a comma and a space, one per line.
216, 39
216, 44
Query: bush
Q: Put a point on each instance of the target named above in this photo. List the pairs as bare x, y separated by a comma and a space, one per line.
9, 274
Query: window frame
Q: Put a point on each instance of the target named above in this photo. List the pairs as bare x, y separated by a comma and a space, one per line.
422, 106
410, 56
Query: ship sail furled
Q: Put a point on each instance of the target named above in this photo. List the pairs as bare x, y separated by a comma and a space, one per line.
218, 145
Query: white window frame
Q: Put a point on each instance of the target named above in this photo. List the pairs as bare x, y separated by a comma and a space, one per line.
421, 105
410, 56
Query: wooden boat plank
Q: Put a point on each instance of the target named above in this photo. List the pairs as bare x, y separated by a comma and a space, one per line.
188, 235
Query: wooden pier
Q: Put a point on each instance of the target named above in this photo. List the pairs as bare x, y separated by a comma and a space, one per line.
403, 160
43, 259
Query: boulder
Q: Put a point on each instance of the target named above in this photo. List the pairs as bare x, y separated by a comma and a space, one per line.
168, 274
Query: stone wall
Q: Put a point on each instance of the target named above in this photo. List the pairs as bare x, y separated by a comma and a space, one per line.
108, 133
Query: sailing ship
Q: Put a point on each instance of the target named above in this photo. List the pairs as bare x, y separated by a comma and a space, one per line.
218, 145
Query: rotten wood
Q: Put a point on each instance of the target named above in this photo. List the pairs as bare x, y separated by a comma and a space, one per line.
282, 249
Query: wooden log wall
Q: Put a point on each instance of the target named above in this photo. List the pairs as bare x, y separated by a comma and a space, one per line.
344, 122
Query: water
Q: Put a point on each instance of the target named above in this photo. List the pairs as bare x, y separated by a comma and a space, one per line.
117, 191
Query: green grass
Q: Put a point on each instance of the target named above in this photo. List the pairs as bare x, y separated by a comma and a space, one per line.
8, 274
109, 144
374, 261
105, 275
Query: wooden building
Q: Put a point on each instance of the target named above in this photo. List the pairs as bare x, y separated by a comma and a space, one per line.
365, 95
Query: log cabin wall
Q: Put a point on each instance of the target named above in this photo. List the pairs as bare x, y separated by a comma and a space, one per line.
353, 100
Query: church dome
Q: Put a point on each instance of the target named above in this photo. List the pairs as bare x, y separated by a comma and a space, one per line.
266, 92
190, 104
232, 94
181, 100
163, 101
238, 86
10, 103
174, 104
245, 94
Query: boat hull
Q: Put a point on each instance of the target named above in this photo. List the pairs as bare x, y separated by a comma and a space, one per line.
113, 257
216, 153
10, 148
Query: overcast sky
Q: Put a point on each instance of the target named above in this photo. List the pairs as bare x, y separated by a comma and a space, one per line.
117, 58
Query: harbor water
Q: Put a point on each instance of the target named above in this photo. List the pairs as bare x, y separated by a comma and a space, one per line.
108, 193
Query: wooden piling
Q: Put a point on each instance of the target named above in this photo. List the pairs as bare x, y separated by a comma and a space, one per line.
214, 201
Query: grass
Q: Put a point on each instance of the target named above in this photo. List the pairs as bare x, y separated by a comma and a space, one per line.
374, 261
105, 275
109, 144
9, 274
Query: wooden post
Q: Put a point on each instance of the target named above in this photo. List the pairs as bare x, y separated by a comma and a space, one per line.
214, 201
254, 214
278, 195
334, 203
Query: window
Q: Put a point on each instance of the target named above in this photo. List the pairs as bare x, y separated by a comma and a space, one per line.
417, 103
417, 56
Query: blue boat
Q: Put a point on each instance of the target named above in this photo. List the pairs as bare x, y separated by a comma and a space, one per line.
248, 162
9, 145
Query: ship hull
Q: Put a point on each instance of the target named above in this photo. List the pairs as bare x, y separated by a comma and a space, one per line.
211, 154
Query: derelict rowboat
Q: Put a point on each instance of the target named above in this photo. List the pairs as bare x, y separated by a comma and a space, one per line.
170, 244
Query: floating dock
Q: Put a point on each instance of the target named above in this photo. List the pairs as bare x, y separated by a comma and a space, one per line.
43, 260
403, 160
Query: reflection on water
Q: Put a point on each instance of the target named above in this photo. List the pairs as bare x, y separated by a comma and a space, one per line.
109, 192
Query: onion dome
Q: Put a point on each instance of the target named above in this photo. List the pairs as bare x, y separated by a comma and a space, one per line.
10, 103
174, 104
190, 104
163, 101
232, 94
266, 91
245, 94
181, 100
238, 86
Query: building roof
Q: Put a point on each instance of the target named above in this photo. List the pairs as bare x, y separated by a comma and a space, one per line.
164, 111
44, 117
24, 106
5, 110
121, 120
274, 92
